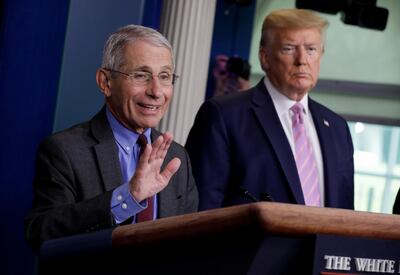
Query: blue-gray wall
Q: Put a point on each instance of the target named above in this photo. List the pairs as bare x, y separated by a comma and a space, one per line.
37, 72
31, 43
79, 98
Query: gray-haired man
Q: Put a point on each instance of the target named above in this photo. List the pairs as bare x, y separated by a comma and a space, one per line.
96, 174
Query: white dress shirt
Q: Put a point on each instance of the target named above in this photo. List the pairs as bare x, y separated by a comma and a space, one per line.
282, 106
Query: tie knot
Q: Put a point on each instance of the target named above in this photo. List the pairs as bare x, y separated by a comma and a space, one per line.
297, 110
142, 141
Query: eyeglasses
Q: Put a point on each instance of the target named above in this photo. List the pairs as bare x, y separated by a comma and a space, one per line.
142, 78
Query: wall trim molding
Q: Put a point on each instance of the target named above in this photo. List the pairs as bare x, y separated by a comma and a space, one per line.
388, 91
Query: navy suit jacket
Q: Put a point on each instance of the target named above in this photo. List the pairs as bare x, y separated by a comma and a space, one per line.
396, 206
237, 141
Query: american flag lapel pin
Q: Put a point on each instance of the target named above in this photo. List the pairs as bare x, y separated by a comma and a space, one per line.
326, 123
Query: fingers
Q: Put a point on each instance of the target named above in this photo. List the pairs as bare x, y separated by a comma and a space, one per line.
171, 169
155, 147
165, 146
160, 146
157, 150
148, 180
145, 155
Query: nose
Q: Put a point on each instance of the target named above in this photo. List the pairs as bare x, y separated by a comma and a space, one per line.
301, 56
154, 88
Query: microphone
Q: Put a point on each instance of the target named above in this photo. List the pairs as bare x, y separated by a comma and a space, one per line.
264, 196
246, 194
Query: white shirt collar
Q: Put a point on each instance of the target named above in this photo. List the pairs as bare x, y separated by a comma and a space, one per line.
281, 102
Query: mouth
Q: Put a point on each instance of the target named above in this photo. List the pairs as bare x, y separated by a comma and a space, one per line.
149, 106
301, 74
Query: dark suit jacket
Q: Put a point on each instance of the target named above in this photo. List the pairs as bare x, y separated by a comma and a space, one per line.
77, 170
396, 206
238, 141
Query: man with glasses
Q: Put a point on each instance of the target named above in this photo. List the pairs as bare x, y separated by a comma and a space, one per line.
116, 168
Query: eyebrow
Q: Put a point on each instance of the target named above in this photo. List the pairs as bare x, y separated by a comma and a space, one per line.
149, 69
296, 45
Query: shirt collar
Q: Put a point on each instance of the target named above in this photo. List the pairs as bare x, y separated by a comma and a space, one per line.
124, 137
281, 102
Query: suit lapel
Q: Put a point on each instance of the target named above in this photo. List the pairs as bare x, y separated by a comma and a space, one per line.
106, 151
268, 118
324, 129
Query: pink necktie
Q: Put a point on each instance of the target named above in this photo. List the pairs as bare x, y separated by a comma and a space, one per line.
147, 214
305, 160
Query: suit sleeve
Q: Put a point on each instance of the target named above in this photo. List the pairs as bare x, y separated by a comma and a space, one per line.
208, 148
192, 196
350, 163
396, 206
57, 209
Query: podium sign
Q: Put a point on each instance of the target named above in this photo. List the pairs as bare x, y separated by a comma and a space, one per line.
353, 255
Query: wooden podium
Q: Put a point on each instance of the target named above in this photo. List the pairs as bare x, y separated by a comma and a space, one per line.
257, 238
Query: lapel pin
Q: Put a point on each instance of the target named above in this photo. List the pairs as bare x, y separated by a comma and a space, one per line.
326, 123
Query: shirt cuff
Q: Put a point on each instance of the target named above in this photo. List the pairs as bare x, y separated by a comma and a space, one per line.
123, 204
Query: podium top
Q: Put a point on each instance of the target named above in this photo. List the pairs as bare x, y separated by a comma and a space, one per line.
265, 217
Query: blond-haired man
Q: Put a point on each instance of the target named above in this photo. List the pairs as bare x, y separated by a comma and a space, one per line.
274, 140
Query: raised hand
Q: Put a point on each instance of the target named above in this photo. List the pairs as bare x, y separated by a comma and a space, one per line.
148, 180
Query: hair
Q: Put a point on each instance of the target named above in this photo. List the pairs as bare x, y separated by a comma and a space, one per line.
113, 53
292, 19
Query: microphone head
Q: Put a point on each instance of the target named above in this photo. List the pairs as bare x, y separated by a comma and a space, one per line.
246, 194
264, 196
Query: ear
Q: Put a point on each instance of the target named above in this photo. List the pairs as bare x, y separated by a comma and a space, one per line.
264, 59
103, 82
